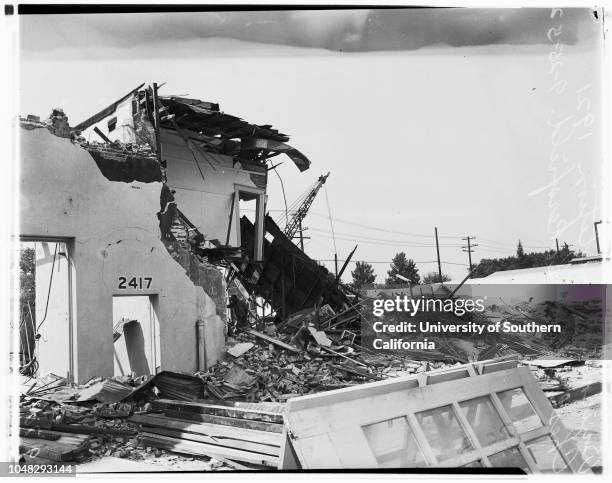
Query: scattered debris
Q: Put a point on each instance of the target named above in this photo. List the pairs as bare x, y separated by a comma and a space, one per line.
248, 434
240, 348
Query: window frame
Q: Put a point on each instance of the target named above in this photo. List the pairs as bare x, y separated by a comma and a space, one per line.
111, 124
327, 428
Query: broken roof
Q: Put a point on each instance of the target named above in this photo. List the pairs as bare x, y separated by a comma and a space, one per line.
207, 119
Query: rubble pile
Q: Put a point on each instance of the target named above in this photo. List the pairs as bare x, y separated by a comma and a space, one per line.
64, 423
149, 418
117, 150
267, 372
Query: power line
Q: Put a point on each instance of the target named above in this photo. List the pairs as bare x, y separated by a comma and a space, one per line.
399, 242
331, 224
284, 196
384, 243
377, 228
388, 261
421, 235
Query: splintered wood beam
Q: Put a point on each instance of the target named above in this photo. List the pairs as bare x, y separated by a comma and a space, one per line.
182, 446
220, 410
210, 429
274, 341
102, 135
156, 109
216, 441
224, 420
346, 262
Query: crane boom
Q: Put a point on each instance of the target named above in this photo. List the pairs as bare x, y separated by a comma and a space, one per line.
293, 225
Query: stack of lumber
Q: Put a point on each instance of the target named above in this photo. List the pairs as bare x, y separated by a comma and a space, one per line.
233, 432
53, 445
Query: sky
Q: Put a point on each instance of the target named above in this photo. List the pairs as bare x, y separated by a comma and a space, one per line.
481, 122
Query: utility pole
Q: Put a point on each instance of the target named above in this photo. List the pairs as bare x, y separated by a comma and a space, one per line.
557, 242
336, 263
597, 236
301, 237
469, 248
438, 252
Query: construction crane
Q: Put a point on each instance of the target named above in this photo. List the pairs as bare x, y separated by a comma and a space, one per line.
294, 224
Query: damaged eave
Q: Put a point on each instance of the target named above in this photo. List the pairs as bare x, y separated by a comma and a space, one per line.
276, 147
227, 134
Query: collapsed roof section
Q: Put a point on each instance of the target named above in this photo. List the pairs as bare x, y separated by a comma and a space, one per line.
220, 132
228, 134
288, 279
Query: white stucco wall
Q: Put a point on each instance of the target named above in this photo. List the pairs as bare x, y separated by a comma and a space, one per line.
124, 130
115, 233
205, 198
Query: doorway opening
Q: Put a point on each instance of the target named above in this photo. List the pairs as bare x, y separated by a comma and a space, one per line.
45, 307
135, 335
252, 203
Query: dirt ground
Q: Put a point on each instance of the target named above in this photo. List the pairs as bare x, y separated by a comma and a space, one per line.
583, 419
166, 462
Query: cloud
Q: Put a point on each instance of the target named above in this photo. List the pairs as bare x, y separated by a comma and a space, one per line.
336, 30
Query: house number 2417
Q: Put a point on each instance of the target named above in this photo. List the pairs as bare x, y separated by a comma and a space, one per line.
135, 282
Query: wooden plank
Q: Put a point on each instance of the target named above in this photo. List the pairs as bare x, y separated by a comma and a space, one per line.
327, 349
38, 434
215, 430
191, 447
446, 376
54, 450
236, 423
85, 429
233, 464
575, 394
216, 441
356, 372
271, 407
219, 410
274, 341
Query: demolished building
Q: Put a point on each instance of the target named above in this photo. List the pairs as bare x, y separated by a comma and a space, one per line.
142, 202
138, 219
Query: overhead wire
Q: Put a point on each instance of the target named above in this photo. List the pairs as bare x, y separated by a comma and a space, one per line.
421, 235
331, 223
399, 242
284, 195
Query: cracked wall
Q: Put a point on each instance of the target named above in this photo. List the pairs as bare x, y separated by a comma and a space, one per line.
116, 233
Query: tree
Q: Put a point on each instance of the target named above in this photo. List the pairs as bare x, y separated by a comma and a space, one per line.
27, 279
520, 253
487, 266
434, 277
363, 274
400, 265
27, 300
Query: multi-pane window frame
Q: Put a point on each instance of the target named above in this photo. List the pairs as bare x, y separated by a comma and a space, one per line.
481, 453
326, 431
